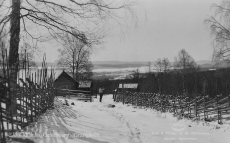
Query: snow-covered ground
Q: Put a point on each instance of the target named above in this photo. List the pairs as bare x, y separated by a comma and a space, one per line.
95, 122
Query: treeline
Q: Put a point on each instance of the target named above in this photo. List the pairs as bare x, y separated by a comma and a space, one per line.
211, 82
184, 77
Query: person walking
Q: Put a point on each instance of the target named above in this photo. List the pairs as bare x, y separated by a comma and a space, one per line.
101, 91
114, 94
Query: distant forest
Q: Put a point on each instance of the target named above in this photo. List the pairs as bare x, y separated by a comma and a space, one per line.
212, 82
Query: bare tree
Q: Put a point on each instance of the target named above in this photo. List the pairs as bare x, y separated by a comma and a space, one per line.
75, 56
149, 68
161, 65
158, 65
165, 64
136, 75
219, 25
26, 56
184, 63
4, 49
3, 56
14, 18
57, 16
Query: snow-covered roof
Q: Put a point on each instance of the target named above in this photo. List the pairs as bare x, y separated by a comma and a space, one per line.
129, 85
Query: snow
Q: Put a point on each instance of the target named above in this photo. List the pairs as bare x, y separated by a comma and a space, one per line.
3, 105
96, 122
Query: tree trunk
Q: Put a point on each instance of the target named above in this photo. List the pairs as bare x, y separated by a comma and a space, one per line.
14, 38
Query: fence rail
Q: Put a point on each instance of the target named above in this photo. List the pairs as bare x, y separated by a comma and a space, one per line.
198, 108
79, 94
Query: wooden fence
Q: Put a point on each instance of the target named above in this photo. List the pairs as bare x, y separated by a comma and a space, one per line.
198, 108
23, 101
77, 94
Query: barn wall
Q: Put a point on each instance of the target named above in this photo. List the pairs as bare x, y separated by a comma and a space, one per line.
65, 83
84, 88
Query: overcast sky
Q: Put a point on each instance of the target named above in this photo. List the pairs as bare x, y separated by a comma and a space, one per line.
171, 25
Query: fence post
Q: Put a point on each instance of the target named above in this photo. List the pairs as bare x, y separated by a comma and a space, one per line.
2, 129
205, 114
140, 99
189, 109
35, 93
96, 91
150, 100
229, 101
174, 110
195, 107
218, 110
31, 102
132, 98
91, 94
122, 92
161, 101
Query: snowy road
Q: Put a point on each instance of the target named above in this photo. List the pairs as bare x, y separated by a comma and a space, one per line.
95, 122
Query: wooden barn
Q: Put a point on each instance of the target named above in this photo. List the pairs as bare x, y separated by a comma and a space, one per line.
129, 87
65, 81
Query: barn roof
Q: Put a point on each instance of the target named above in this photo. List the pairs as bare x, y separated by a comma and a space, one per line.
85, 84
129, 85
65, 74
57, 73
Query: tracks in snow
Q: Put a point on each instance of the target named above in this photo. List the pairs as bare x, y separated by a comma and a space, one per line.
135, 131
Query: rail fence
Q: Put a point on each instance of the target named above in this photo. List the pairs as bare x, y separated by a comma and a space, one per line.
22, 102
199, 108
78, 94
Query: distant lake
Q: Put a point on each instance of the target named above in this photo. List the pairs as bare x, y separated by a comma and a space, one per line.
57, 71
142, 69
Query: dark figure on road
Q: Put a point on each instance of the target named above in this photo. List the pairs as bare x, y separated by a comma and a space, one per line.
101, 90
114, 94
